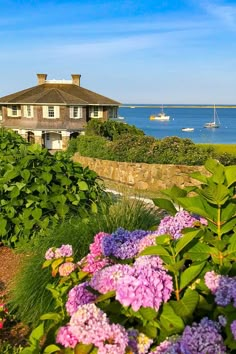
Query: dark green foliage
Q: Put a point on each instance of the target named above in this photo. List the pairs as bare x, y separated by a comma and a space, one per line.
38, 190
94, 146
29, 297
134, 148
111, 130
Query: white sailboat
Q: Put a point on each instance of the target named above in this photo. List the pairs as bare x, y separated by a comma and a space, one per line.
216, 121
161, 116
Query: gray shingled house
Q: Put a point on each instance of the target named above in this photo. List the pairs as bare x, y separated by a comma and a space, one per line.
54, 111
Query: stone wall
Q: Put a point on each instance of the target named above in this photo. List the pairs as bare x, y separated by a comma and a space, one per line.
142, 176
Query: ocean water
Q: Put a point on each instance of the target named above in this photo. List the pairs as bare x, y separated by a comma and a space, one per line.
182, 118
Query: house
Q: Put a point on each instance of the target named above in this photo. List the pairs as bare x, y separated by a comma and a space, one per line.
53, 111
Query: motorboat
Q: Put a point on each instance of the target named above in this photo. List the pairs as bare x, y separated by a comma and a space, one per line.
187, 129
160, 116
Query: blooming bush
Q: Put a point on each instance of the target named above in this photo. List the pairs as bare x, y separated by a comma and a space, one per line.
172, 290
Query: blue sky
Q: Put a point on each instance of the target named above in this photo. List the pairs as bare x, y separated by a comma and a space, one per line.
149, 51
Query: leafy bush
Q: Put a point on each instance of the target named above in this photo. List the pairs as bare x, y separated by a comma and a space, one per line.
111, 130
29, 297
169, 291
7, 348
38, 190
93, 146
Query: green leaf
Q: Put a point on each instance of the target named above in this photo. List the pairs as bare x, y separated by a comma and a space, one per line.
83, 348
216, 194
148, 313
52, 348
211, 165
56, 317
230, 173
47, 177
199, 252
170, 321
166, 205
94, 208
155, 250
194, 205
186, 306
185, 240
3, 224
37, 213
83, 186
106, 296
199, 177
37, 333
190, 274
149, 330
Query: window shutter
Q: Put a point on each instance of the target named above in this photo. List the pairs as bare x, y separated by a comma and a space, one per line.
80, 112
45, 111
71, 112
56, 112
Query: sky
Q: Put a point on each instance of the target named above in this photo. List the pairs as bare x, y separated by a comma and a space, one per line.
133, 51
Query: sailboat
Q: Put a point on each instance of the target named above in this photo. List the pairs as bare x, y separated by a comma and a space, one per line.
161, 116
216, 121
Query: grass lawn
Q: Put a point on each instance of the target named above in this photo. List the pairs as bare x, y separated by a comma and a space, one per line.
221, 148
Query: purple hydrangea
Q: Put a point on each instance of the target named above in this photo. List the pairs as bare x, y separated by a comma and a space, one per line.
233, 329
78, 296
122, 243
171, 345
174, 225
203, 338
223, 287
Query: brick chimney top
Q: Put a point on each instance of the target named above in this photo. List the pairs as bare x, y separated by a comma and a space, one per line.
41, 78
76, 79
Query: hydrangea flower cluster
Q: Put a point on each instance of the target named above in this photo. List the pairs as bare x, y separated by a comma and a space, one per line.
172, 225
145, 284
223, 287
122, 244
78, 296
95, 260
63, 251
66, 268
204, 338
138, 342
90, 325
233, 329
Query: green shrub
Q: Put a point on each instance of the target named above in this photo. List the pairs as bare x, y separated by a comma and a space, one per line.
38, 190
7, 348
111, 130
29, 297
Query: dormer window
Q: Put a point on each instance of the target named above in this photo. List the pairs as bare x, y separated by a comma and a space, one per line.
76, 112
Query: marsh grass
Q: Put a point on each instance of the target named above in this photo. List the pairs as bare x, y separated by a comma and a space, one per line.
29, 297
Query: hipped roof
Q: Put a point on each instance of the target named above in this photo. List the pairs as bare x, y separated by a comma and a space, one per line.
54, 93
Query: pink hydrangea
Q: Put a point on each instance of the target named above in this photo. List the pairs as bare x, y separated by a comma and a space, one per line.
66, 268
66, 338
95, 259
63, 251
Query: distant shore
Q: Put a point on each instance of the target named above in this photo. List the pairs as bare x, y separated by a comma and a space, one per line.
177, 106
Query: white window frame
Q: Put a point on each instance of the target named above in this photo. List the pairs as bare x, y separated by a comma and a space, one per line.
96, 112
76, 112
14, 111
28, 111
51, 112
0, 113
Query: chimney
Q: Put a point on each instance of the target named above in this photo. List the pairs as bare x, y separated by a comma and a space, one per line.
41, 78
76, 79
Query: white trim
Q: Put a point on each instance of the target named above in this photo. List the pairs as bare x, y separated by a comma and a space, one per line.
17, 110
28, 111
96, 112
76, 112
51, 110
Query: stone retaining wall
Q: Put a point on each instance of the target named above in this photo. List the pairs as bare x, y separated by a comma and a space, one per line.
141, 176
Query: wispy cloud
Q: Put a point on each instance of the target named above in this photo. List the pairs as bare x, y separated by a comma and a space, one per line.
222, 11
